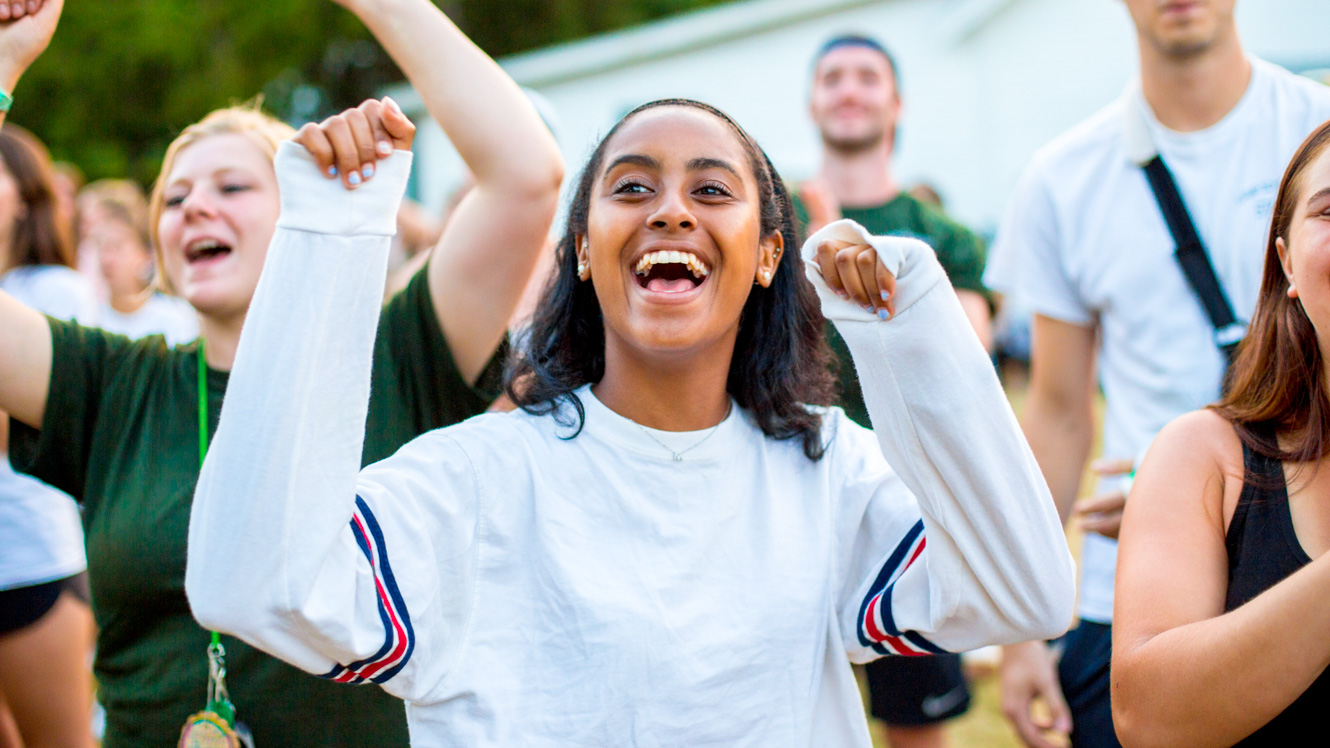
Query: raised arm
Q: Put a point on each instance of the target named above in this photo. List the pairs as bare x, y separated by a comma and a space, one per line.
481, 265
1185, 673
996, 567
23, 37
25, 338
290, 548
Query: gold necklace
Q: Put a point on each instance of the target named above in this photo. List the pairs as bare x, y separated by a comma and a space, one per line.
678, 456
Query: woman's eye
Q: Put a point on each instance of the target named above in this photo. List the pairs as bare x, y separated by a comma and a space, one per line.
228, 189
713, 189
630, 188
174, 201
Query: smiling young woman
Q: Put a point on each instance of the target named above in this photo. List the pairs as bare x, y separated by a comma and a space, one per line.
724, 214
118, 423
1223, 572
671, 543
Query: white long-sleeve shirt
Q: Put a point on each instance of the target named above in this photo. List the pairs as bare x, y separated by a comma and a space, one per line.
518, 587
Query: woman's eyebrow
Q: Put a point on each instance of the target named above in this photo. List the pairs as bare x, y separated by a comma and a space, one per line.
1323, 192
698, 164
636, 159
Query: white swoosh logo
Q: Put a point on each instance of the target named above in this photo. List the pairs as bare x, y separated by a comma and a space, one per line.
934, 706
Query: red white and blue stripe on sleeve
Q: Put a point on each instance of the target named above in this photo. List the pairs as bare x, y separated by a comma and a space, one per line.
399, 639
877, 627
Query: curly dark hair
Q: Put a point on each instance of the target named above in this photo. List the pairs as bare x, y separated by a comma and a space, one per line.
781, 364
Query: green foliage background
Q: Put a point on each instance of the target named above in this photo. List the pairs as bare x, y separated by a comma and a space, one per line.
122, 77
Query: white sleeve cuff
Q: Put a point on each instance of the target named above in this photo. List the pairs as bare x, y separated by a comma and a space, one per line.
313, 202
911, 261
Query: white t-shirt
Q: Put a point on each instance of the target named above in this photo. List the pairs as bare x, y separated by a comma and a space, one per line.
52, 289
169, 316
1083, 241
519, 587
41, 534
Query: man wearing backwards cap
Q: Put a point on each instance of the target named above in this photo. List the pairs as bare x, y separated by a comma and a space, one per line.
855, 104
1085, 244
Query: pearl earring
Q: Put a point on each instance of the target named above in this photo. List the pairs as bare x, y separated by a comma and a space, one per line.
583, 270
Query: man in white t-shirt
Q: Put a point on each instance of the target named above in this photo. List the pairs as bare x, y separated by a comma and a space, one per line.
1085, 244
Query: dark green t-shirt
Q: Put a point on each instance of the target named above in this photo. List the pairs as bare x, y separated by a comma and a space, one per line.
121, 435
959, 251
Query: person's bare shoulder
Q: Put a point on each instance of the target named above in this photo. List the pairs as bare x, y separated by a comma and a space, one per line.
1202, 449
1201, 433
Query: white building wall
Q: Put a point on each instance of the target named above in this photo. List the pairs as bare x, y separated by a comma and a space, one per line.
984, 82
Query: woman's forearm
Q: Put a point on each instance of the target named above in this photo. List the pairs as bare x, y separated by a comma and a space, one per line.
489, 249
493, 125
1213, 682
279, 486
1001, 571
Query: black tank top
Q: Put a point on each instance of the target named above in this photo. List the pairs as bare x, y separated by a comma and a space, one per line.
1263, 549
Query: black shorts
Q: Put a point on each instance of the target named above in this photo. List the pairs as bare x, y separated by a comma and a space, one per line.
1083, 672
23, 606
915, 691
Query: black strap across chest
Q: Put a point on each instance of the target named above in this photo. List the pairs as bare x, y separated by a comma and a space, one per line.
1195, 262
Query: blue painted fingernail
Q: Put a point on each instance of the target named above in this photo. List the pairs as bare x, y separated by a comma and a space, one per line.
868, 308
353, 178
385, 148
885, 295
332, 171
883, 314
368, 170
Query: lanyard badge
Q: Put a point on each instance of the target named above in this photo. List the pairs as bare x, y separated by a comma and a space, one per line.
207, 730
215, 726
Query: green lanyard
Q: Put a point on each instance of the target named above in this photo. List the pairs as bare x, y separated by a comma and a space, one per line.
219, 701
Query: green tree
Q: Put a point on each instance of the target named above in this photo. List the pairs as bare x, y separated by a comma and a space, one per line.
122, 78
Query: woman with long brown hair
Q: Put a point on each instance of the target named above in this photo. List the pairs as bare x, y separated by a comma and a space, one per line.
1221, 628
45, 621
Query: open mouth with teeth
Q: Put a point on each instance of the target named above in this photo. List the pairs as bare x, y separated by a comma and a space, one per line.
205, 249
670, 272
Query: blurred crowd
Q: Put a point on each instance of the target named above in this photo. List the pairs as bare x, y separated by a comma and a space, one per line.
1135, 254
